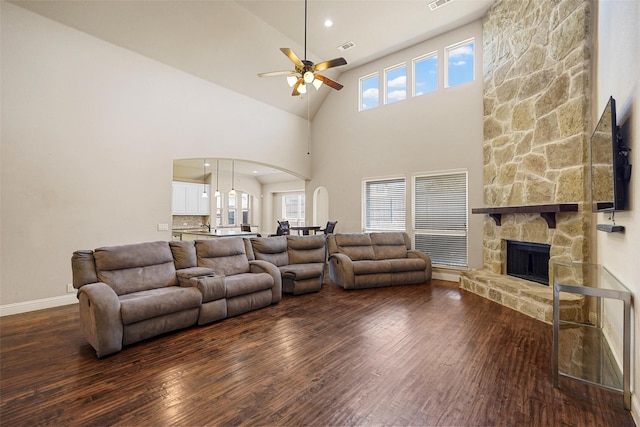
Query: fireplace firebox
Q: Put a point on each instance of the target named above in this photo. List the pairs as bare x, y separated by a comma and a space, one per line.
529, 261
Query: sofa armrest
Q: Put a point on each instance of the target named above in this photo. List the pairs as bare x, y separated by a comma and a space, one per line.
100, 317
259, 266
186, 274
341, 270
211, 287
414, 253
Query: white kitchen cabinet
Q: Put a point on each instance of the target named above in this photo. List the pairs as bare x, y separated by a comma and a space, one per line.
187, 199
179, 205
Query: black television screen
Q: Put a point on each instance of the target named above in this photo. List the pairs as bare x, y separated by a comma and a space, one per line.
610, 168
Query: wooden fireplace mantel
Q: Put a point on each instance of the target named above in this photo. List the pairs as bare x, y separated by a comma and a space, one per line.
548, 212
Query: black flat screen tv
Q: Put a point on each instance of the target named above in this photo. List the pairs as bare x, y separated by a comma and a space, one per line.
610, 168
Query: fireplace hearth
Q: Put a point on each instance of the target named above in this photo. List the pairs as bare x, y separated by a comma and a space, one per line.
529, 261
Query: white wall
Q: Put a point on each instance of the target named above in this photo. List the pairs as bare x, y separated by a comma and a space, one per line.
89, 135
433, 132
617, 74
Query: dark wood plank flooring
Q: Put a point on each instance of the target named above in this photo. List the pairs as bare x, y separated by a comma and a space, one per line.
408, 355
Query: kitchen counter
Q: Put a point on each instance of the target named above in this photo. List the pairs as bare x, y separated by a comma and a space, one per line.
205, 234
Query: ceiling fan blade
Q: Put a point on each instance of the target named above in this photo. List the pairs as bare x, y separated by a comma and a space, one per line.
329, 82
292, 56
295, 88
336, 62
276, 73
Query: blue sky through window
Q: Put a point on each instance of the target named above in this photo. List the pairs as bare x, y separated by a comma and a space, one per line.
425, 72
460, 64
396, 84
369, 92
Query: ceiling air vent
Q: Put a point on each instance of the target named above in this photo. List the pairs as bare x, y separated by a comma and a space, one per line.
347, 45
438, 3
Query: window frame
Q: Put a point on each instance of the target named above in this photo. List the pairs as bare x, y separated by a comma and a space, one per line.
448, 49
414, 62
301, 218
401, 226
442, 232
361, 80
386, 82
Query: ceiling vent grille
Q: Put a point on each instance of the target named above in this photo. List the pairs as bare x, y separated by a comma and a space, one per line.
347, 45
438, 3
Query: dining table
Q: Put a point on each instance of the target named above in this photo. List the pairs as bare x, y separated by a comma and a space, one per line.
305, 229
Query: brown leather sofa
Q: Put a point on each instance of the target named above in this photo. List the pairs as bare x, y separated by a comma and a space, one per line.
133, 292
367, 260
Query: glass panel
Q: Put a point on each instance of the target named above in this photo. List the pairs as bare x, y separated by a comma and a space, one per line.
460, 63
396, 84
369, 92
425, 74
385, 205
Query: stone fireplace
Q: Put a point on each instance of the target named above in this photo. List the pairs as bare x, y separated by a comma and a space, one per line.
536, 70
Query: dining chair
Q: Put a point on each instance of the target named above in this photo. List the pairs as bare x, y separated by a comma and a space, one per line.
284, 228
331, 225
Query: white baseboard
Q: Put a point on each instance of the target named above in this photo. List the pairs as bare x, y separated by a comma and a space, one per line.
450, 275
39, 304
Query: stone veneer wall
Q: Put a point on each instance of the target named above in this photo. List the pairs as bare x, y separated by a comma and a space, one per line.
537, 124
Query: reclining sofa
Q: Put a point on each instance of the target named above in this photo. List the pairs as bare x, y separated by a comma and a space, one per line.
368, 260
300, 259
134, 292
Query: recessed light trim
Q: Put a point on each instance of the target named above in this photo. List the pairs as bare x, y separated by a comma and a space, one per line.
328, 23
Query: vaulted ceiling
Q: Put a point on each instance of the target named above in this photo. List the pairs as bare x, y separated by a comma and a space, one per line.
228, 42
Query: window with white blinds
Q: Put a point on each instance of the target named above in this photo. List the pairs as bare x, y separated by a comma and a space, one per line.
440, 217
385, 204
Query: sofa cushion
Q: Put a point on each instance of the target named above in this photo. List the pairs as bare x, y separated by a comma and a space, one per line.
143, 305
407, 264
389, 245
137, 267
356, 246
306, 249
184, 253
302, 271
226, 255
247, 283
271, 249
371, 267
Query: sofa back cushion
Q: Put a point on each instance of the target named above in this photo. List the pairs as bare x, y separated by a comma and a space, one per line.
226, 255
137, 267
184, 253
306, 249
389, 245
271, 249
356, 246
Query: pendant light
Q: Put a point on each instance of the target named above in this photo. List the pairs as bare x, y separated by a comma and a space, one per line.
204, 179
232, 193
217, 193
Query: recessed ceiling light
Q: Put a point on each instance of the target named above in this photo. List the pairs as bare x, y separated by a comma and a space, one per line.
328, 23
255, 171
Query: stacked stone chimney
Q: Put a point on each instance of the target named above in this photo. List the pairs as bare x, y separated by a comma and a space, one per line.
536, 71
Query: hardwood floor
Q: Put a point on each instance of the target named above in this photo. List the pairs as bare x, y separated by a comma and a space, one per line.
408, 355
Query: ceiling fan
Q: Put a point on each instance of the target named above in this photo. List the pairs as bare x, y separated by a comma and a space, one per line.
306, 72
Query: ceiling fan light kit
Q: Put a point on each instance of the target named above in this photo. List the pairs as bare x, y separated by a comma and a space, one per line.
306, 72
